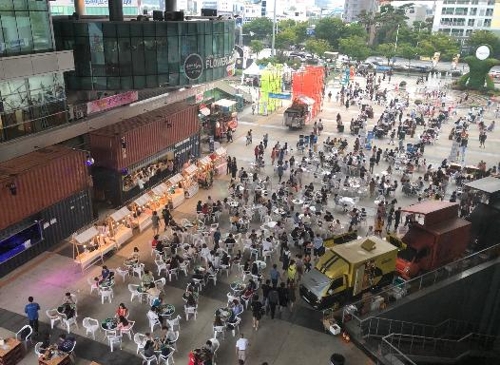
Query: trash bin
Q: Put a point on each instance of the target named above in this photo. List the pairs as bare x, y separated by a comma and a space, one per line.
340, 128
337, 359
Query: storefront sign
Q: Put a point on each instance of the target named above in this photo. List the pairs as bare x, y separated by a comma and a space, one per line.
193, 66
112, 102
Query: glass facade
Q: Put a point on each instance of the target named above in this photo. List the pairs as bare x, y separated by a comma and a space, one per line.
25, 27
31, 105
136, 55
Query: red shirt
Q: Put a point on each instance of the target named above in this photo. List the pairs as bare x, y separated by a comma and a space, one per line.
154, 242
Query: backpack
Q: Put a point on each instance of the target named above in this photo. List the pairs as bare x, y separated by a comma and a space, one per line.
273, 296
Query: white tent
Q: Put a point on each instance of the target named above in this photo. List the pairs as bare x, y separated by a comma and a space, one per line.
253, 70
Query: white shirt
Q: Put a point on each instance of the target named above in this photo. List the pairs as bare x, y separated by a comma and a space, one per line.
242, 344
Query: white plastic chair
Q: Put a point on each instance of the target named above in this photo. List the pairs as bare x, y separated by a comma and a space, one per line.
134, 292
93, 285
160, 283
219, 330
175, 323
183, 266
74, 298
167, 360
148, 360
173, 342
173, 272
139, 270
28, 336
122, 272
53, 316
191, 311
129, 330
69, 322
106, 293
113, 340
91, 325
160, 265
225, 268
140, 341
38, 347
154, 321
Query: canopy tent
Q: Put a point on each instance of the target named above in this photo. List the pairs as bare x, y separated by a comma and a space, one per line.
226, 103
221, 151
205, 111
160, 189
205, 160
191, 169
86, 235
306, 100
120, 214
252, 70
174, 180
143, 200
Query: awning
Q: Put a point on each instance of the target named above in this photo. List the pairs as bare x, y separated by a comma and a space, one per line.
177, 178
86, 235
221, 151
205, 160
226, 103
306, 100
160, 189
191, 169
205, 111
143, 200
120, 214
489, 185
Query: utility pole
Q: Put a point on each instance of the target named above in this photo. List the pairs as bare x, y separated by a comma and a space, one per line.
397, 35
273, 51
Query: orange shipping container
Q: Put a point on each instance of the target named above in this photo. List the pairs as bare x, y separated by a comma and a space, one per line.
37, 180
129, 142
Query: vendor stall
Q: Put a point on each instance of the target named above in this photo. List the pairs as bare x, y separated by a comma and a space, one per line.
223, 117
175, 191
142, 212
219, 158
159, 195
120, 224
190, 184
90, 245
205, 174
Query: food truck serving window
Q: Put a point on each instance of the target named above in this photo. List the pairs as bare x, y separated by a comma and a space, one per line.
337, 283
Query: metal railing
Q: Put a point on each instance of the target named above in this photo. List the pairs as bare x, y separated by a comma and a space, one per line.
374, 305
379, 327
412, 346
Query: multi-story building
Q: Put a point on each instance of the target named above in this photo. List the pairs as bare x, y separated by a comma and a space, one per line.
459, 18
165, 66
353, 7
418, 13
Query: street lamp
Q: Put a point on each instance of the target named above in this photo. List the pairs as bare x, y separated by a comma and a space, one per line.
273, 51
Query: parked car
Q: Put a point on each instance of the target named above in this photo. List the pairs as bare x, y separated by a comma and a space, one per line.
494, 74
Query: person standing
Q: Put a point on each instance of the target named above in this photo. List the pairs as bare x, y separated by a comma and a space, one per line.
280, 172
31, 309
155, 223
283, 296
273, 299
229, 164
397, 218
291, 293
241, 347
265, 140
234, 168
256, 306
275, 275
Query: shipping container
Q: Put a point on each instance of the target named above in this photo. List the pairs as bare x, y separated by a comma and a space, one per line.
131, 141
28, 238
37, 180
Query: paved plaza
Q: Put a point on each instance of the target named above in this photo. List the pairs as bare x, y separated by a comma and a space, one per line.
295, 337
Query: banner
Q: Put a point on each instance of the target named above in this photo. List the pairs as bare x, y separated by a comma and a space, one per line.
280, 96
112, 102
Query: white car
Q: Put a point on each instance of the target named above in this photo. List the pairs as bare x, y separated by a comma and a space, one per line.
495, 74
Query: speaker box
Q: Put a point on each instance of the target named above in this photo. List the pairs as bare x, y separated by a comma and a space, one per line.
157, 15
208, 12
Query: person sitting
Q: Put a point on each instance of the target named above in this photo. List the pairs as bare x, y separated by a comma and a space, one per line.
169, 336
236, 309
250, 289
45, 342
133, 258
152, 315
65, 343
190, 299
149, 348
122, 311
68, 298
123, 323
68, 310
105, 273
159, 247
148, 280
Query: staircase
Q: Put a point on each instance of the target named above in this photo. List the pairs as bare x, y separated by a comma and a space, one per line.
407, 349
231, 90
449, 342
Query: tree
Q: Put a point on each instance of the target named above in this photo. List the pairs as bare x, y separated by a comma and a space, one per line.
408, 52
256, 46
300, 31
354, 47
285, 39
317, 46
331, 30
390, 21
261, 27
484, 37
367, 20
439, 42
387, 50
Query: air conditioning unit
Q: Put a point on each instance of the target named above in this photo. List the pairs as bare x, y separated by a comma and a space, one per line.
175, 16
157, 15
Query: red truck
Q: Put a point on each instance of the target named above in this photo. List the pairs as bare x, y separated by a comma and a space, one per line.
436, 237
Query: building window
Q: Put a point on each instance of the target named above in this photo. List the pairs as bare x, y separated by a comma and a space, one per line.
487, 23
470, 23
